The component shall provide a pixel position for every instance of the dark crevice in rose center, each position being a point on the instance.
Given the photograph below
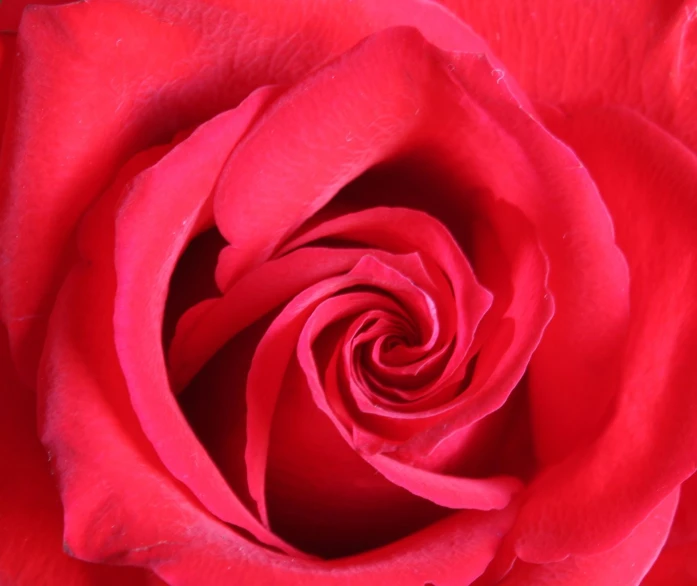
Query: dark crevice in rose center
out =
(193, 279)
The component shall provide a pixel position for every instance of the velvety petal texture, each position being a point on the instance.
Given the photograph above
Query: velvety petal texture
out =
(110, 366)
(676, 563)
(589, 274)
(634, 53)
(31, 542)
(419, 287)
(657, 371)
(626, 563)
(348, 292)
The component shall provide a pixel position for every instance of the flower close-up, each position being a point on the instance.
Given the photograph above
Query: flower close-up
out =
(348, 293)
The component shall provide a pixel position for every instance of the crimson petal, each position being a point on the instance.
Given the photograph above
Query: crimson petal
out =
(648, 445)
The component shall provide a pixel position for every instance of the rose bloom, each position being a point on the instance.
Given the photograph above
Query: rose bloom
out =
(348, 292)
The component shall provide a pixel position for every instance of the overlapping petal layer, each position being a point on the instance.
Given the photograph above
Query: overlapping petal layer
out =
(407, 347)
(647, 447)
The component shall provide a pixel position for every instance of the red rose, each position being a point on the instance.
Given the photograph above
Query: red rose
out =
(348, 292)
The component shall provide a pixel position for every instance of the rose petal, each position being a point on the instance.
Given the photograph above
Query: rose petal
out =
(321, 495)
(675, 566)
(7, 57)
(588, 278)
(405, 83)
(267, 374)
(31, 542)
(452, 552)
(403, 231)
(215, 407)
(444, 490)
(206, 327)
(501, 361)
(648, 446)
(635, 53)
(84, 395)
(192, 280)
(56, 163)
(684, 529)
(677, 563)
(276, 348)
(626, 563)
(356, 393)
(107, 520)
(161, 211)
(12, 10)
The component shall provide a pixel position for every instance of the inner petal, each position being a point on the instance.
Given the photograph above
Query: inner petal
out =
(321, 495)
(276, 349)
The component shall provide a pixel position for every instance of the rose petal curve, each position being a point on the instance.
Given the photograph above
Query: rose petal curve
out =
(648, 446)
(31, 542)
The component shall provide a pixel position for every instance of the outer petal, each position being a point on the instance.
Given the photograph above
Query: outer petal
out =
(677, 564)
(453, 552)
(635, 53)
(164, 207)
(648, 447)
(31, 526)
(684, 528)
(86, 415)
(624, 564)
